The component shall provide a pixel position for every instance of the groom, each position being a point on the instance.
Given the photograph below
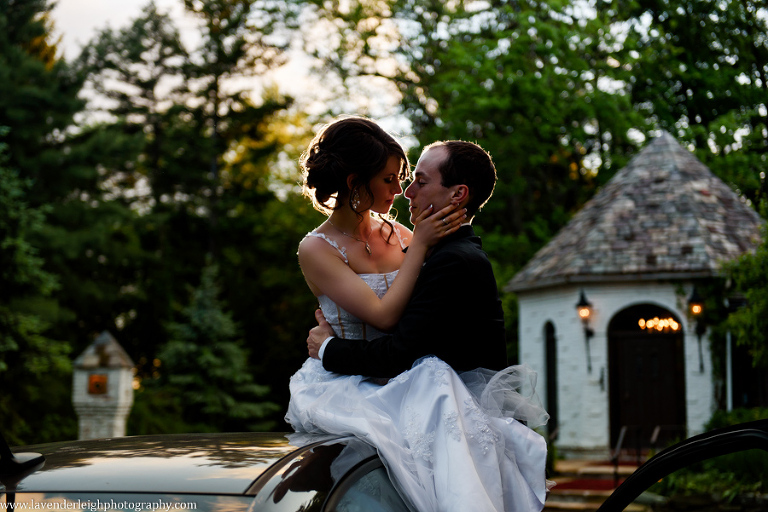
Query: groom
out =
(454, 312)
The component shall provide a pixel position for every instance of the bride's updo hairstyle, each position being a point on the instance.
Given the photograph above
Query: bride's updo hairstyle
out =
(349, 146)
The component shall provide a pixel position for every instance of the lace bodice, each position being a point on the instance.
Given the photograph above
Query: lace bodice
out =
(346, 325)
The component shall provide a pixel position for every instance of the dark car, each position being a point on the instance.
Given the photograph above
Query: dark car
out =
(268, 472)
(202, 472)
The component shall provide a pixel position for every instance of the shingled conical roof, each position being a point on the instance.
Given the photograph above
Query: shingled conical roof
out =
(664, 215)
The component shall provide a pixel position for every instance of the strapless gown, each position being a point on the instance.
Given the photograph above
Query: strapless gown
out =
(449, 442)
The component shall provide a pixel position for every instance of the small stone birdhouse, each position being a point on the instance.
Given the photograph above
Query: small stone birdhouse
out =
(102, 388)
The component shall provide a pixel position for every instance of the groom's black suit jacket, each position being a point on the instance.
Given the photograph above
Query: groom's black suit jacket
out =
(454, 313)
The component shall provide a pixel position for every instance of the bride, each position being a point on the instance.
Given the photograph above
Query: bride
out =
(450, 441)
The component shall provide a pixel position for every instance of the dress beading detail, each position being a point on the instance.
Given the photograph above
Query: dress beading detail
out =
(438, 370)
(420, 442)
(480, 428)
(451, 422)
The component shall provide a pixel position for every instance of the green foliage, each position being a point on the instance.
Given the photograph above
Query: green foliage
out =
(524, 79)
(204, 367)
(33, 80)
(202, 151)
(721, 419)
(266, 289)
(701, 75)
(749, 324)
(157, 410)
(21, 266)
(156, 176)
(29, 358)
(562, 95)
(34, 363)
(715, 479)
(177, 159)
(727, 477)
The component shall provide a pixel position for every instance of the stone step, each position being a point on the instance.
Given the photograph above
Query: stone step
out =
(553, 505)
(583, 495)
(583, 485)
(592, 469)
(584, 500)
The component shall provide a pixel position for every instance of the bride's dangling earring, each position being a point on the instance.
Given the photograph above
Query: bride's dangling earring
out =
(355, 200)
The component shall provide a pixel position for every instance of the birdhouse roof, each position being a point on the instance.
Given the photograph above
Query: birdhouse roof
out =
(664, 215)
(104, 352)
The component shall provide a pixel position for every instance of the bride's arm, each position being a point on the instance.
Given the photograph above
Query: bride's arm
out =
(325, 271)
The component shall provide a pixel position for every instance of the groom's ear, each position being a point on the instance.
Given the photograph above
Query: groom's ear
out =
(459, 194)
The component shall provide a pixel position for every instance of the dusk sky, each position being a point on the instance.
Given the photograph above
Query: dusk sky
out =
(77, 21)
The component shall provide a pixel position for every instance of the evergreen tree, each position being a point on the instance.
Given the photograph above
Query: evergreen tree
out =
(205, 366)
(240, 40)
(38, 102)
(145, 154)
(196, 165)
(87, 241)
(34, 81)
(32, 364)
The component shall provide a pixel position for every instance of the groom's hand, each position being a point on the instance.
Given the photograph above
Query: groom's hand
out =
(317, 335)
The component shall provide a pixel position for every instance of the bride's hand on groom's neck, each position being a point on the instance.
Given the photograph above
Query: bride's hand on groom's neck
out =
(431, 226)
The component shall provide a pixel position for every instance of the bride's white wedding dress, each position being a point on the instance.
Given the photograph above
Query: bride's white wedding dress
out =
(450, 442)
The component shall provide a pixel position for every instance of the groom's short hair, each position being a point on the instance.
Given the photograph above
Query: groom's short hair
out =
(467, 164)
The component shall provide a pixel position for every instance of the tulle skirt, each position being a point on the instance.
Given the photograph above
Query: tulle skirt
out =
(450, 442)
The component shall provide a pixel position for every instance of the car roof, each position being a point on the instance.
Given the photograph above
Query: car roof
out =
(224, 463)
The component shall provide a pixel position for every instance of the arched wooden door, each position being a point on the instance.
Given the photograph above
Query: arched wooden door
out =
(647, 376)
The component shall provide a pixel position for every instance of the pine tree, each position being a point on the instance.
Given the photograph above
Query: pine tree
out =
(205, 365)
(33, 80)
(32, 364)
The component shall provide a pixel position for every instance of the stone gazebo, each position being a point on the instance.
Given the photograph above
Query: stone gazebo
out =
(633, 253)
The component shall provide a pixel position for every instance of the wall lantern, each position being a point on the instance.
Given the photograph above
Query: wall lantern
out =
(696, 307)
(696, 303)
(584, 307)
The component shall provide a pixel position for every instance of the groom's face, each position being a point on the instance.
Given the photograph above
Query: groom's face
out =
(426, 188)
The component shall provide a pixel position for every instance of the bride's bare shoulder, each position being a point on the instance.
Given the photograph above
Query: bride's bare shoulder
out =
(318, 244)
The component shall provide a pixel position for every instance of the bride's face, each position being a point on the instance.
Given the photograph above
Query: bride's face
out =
(385, 186)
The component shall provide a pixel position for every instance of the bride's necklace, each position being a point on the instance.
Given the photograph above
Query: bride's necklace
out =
(367, 247)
